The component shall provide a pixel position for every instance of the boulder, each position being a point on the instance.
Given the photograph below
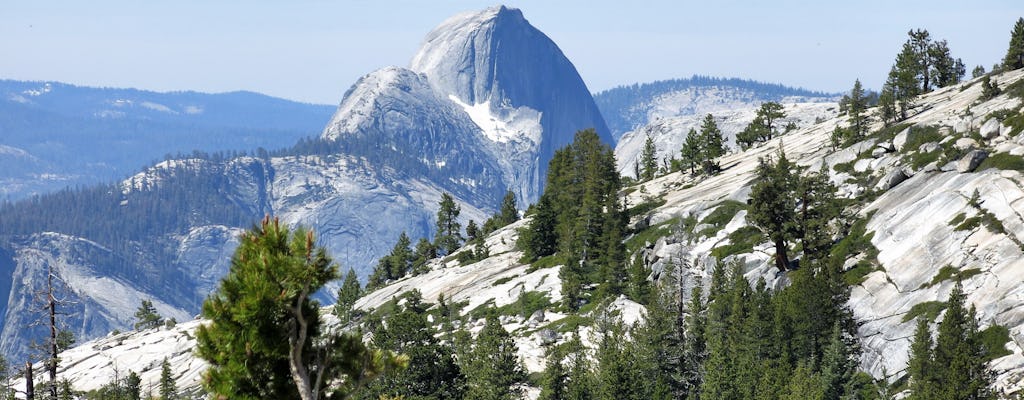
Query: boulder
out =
(965, 143)
(1004, 130)
(538, 316)
(929, 147)
(548, 336)
(878, 152)
(989, 129)
(971, 161)
(962, 126)
(891, 179)
(862, 165)
(901, 139)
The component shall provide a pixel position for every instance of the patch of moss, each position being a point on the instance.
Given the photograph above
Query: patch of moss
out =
(994, 338)
(741, 241)
(502, 281)
(928, 309)
(1003, 161)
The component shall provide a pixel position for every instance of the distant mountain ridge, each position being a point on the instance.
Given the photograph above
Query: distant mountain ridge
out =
(399, 139)
(56, 135)
(627, 107)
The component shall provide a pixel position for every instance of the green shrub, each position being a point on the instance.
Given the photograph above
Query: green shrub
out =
(741, 241)
(720, 216)
(502, 281)
(969, 224)
(995, 338)
(959, 218)
(650, 234)
(553, 260)
(859, 273)
(928, 309)
(644, 207)
(1002, 161)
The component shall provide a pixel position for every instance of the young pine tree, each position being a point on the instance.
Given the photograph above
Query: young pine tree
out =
(168, 385)
(493, 368)
(1014, 58)
(690, 154)
(146, 317)
(348, 293)
(712, 144)
(856, 109)
(773, 204)
(264, 338)
(648, 160)
(449, 236)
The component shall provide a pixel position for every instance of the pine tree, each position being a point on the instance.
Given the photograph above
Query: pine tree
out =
(448, 237)
(617, 376)
(432, 371)
(554, 380)
(493, 368)
(1014, 58)
(168, 386)
(425, 251)
(946, 70)
(772, 205)
(146, 317)
(690, 154)
(919, 368)
(133, 386)
(770, 112)
(348, 293)
(264, 338)
(978, 71)
(887, 98)
(473, 232)
(712, 144)
(805, 385)
(539, 238)
(580, 381)
(904, 76)
(856, 109)
(964, 373)
(919, 44)
(989, 89)
(648, 160)
(509, 212)
(696, 343)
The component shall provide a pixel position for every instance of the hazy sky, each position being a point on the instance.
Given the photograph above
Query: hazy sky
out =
(314, 50)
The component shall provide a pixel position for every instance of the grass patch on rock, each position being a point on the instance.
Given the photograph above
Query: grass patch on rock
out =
(928, 309)
(741, 241)
(1003, 161)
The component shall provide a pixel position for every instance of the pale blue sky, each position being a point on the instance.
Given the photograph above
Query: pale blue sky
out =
(314, 50)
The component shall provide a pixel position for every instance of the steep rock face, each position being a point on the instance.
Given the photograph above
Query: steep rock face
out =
(669, 131)
(394, 117)
(495, 58)
(96, 298)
